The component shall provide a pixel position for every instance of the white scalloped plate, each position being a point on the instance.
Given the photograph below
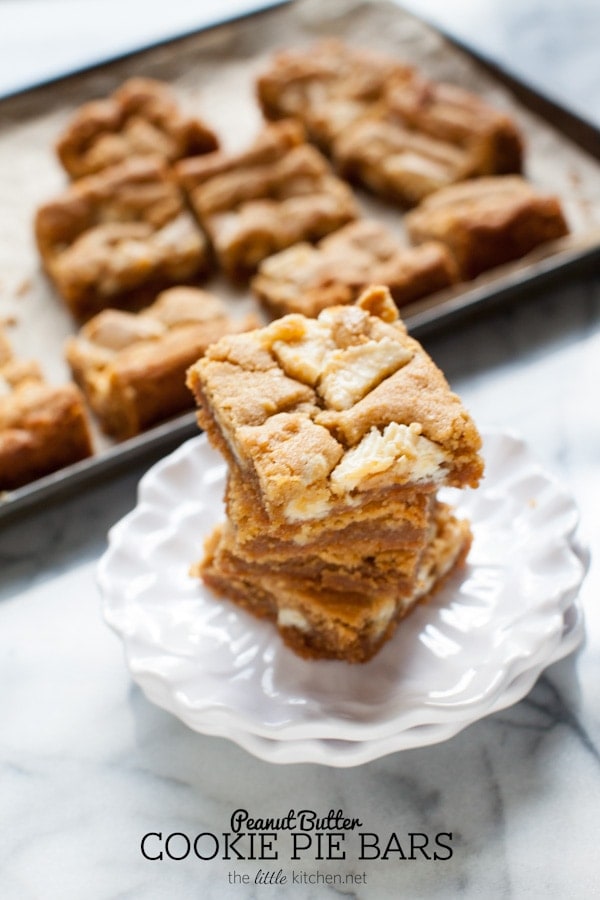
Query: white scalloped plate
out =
(476, 648)
(352, 753)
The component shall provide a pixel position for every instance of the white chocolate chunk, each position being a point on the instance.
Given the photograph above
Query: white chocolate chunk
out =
(399, 447)
(291, 618)
(353, 318)
(315, 505)
(343, 375)
(351, 373)
(416, 164)
(305, 359)
(116, 330)
(440, 558)
(382, 618)
(287, 262)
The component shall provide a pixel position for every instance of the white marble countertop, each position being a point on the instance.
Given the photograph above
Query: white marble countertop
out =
(88, 766)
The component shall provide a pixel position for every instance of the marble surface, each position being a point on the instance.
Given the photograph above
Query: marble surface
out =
(88, 766)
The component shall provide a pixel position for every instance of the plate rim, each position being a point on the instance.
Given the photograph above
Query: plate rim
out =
(226, 722)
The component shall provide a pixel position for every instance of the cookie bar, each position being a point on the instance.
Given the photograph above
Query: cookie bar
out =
(365, 574)
(337, 432)
(322, 414)
(132, 367)
(119, 237)
(351, 549)
(399, 164)
(488, 221)
(141, 118)
(326, 86)
(42, 427)
(277, 193)
(307, 279)
(450, 113)
(384, 124)
(316, 620)
(348, 535)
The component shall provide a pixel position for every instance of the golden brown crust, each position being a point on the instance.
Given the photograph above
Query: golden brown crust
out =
(452, 114)
(344, 536)
(385, 125)
(42, 428)
(119, 237)
(278, 192)
(326, 86)
(141, 118)
(333, 530)
(488, 221)
(132, 366)
(329, 412)
(318, 618)
(270, 145)
(397, 163)
(306, 279)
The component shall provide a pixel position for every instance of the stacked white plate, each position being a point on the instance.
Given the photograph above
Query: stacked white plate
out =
(477, 647)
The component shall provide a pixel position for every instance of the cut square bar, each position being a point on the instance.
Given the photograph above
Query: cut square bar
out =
(399, 164)
(307, 279)
(119, 237)
(452, 114)
(488, 221)
(329, 413)
(131, 366)
(141, 118)
(326, 86)
(278, 192)
(42, 427)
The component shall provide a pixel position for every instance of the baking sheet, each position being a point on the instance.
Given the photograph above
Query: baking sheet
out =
(213, 73)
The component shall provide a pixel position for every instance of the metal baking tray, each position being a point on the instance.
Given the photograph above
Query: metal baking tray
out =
(220, 59)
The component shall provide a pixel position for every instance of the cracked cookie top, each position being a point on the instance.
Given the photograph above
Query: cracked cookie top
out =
(331, 409)
(141, 118)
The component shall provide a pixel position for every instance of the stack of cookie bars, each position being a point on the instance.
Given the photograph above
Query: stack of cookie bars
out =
(338, 432)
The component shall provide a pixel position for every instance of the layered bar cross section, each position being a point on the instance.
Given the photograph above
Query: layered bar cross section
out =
(337, 432)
